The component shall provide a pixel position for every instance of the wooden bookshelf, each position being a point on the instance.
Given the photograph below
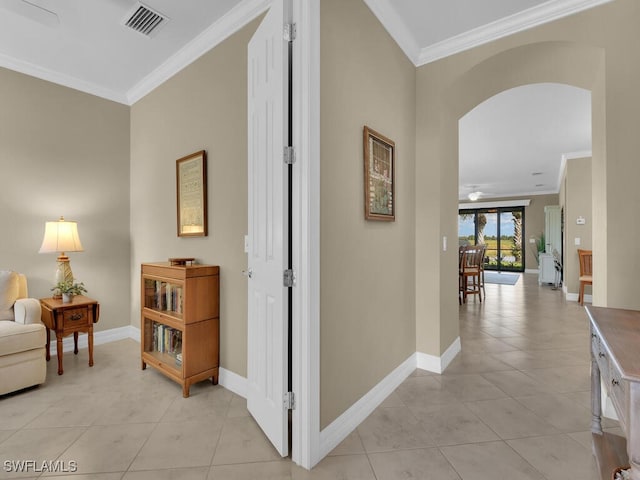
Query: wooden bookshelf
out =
(180, 325)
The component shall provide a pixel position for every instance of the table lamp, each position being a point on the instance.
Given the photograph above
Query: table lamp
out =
(61, 236)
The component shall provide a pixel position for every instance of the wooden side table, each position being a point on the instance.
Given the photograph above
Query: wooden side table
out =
(77, 316)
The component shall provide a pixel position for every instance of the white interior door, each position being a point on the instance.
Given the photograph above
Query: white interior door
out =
(267, 296)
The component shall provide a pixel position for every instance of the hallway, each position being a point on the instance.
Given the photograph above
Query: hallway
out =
(513, 405)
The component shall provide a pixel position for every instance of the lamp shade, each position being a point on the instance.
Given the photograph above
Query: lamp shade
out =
(61, 236)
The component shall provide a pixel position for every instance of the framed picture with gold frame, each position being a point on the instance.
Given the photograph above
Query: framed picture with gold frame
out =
(191, 179)
(379, 176)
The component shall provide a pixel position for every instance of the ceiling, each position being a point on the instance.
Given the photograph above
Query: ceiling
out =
(85, 45)
(516, 142)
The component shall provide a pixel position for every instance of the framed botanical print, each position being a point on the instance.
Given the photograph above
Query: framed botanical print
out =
(379, 176)
(191, 178)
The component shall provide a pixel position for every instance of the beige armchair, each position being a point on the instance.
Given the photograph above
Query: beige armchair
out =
(22, 335)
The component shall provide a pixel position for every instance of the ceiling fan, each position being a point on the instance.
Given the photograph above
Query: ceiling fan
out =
(473, 192)
(473, 196)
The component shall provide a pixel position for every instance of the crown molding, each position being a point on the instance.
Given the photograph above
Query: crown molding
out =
(217, 32)
(574, 155)
(394, 25)
(227, 25)
(532, 17)
(570, 156)
(524, 202)
(506, 195)
(52, 76)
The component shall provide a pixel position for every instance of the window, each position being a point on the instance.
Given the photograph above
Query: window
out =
(501, 230)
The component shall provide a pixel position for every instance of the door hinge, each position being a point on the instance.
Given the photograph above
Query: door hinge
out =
(287, 278)
(290, 31)
(289, 155)
(289, 401)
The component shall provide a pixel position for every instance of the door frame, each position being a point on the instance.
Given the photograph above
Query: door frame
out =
(305, 446)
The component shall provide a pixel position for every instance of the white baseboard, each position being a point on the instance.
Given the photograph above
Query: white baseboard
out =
(346, 423)
(135, 334)
(229, 380)
(232, 381)
(99, 338)
(341, 427)
(532, 270)
(435, 364)
(573, 297)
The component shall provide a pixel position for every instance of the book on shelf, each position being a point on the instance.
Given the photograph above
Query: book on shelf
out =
(178, 300)
(166, 339)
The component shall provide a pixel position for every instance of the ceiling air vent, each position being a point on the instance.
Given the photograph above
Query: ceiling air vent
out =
(144, 20)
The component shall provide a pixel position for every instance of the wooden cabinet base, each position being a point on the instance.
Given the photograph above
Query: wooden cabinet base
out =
(176, 376)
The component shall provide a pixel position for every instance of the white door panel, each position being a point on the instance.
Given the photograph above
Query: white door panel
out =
(267, 297)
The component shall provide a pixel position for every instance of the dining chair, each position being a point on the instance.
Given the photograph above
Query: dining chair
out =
(461, 250)
(470, 272)
(586, 271)
(482, 260)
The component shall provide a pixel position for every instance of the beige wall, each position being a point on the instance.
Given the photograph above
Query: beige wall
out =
(591, 50)
(533, 221)
(577, 200)
(63, 152)
(384, 293)
(367, 298)
(204, 107)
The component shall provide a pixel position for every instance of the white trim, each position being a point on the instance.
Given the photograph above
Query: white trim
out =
(215, 34)
(573, 297)
(305, 449)
(532, 17)
(61, 79)
(228, 379)
(435, 364)
(570, 156)
(504, 203)
(532, 270)
(519, 194)
(247, 10)
(574, 155)
(232, 381)
(134, 333)
(393, 23)
(99, 338)
(342, 426)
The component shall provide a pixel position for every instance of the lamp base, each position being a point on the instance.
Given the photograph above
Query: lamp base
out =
(63, 274)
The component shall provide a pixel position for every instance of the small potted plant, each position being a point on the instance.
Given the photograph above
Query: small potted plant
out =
(68, 289)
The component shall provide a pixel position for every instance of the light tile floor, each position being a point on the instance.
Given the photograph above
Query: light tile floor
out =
(513, 405)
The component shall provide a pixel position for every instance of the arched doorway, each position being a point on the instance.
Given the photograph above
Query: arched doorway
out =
(446, 97)
(512, 153)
